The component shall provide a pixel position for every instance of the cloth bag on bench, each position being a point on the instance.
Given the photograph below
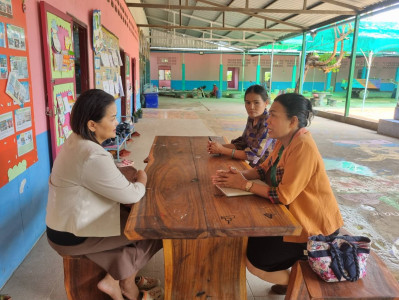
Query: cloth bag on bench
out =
(338, 258)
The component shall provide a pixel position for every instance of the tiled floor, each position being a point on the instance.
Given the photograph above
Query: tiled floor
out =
(40, 276)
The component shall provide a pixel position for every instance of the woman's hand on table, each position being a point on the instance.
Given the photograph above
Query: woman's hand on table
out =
(214, 147)
(231, 178)
(141, 177)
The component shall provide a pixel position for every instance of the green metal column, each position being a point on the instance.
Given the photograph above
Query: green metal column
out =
(271, 69)
(293, 76)
(328, 84)
(302, 67)
(183, 74)
(258, 71)
(221, 74)
(243, 72)
(352, 66)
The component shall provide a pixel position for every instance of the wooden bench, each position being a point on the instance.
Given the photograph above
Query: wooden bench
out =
(379, 283)
(81, 276)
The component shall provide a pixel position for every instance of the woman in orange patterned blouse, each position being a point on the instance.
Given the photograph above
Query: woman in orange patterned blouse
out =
(296, 178)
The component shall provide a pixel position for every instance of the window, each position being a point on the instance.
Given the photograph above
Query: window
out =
(164, 75)
(229, 75)
(161, 74)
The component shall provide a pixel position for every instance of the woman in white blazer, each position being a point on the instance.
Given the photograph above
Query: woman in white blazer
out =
(86, 190)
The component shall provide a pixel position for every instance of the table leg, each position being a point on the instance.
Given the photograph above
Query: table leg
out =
(202, 268)
(322, 97)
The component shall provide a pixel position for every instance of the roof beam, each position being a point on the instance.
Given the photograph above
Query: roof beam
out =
(245, 10)
(207, 21)
(338, 3)
(218, 37)
(258, 16)
(202, 31)
(219, 28)
(213, 39)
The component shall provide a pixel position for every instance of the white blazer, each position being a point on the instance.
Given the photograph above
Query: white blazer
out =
(86, 189)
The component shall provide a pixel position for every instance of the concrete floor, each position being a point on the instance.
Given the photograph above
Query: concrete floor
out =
(361, 164)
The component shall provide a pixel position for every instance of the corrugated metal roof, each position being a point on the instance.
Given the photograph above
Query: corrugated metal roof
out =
(242, 24)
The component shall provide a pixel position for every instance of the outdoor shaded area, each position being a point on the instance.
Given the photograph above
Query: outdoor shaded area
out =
(376, 66)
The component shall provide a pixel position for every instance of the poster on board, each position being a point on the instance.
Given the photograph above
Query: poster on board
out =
(6, 125)
(16, 37)
(23, 118)
(6, 8)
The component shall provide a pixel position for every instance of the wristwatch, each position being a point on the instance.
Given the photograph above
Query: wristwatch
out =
(248, 185)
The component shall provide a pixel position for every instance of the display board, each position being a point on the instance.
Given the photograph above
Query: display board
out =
(107, 59)
(17, 133)
(59, 59)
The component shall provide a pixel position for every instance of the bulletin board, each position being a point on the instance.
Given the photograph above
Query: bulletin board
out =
(107, 59)
(61, 54)
(18, 149)
(64, 95)
(59, 59)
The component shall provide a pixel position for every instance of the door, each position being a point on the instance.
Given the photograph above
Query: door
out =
(232, 78)
(164, 77)
(58, 50)
(125, 104)
(81, 58)
(265, 80)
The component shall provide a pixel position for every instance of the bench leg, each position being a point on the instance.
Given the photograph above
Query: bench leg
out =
(296, 285)
(80, 279)
(202, 268)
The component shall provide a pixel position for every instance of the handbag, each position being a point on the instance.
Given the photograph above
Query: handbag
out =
(338, 258)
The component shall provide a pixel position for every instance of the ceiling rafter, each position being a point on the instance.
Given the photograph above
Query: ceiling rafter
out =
(244, 10)
(220, 38)
(211, 22)
(248, 42)
(249, 29)
(258, 16)
(338, 3)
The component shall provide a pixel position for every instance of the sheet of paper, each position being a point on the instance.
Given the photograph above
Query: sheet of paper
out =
(121, 92)
(111, 61)
(230, 192)
(104, 59)
(106, 86)
(111, 87)
(120, 58)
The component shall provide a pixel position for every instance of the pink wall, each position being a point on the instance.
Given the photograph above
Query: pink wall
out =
(202, 67)
(173, 60)
(81, 10)
(206, 66)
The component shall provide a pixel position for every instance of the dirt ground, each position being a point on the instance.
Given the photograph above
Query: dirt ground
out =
(362, 166)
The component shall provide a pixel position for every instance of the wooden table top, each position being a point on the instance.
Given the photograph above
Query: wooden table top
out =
(182, 203)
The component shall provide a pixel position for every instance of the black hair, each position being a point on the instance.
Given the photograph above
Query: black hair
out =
(90, 105)
(297, 105)
(257, 89)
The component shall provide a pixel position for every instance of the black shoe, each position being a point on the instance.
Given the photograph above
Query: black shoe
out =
(279, 289)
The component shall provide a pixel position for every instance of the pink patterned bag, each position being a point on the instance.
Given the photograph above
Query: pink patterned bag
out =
(338, 258)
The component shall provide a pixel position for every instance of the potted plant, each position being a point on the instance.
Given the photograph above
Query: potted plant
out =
(135, 117)
(139, 113)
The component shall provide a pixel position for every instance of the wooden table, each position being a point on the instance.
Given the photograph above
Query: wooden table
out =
(204, 232)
